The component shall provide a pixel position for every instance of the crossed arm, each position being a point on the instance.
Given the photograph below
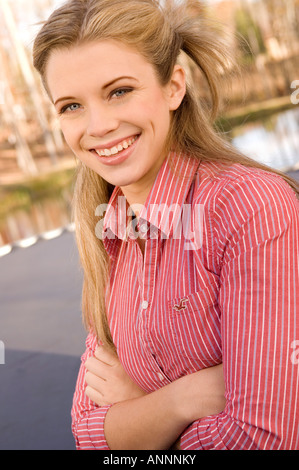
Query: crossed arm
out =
(138, 420)
(259, 325)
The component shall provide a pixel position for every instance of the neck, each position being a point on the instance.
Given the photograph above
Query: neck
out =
(136, 193)
(136, 198)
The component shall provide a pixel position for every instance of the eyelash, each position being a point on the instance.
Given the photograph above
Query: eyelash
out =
(65, 108)
(125, 91)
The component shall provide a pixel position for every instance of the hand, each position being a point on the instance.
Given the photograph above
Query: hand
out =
(107, 381)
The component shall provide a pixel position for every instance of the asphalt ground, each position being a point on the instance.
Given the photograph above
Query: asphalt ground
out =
(42, 339)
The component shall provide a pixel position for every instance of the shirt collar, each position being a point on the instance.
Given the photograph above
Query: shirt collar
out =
(163, 205)
(165, 201)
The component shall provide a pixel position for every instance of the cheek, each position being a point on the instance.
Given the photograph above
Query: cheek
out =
(153, 105)
(70, 134)
(155, 115)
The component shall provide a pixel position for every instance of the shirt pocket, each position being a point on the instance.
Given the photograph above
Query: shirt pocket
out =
(195, 327)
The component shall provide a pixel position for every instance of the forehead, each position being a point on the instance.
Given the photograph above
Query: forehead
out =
(99, 61)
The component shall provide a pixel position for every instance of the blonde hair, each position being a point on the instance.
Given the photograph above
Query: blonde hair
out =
(160, 34)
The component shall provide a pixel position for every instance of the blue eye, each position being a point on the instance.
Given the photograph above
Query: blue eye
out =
(121, 92)
(73, 107)
(70, 107)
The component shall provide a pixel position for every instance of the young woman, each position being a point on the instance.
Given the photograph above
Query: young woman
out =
(190, 291)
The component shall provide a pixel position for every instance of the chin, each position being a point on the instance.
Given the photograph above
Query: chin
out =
(123, 180)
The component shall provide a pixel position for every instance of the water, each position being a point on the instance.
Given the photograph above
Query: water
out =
(273, 141)
(43, 220)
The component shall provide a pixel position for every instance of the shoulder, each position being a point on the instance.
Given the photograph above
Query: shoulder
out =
(220, 185)
(238, 201)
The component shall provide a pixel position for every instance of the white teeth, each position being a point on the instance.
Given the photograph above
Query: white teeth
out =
(114, 150)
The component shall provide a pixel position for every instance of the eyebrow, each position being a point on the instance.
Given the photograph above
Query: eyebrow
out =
(107, 85)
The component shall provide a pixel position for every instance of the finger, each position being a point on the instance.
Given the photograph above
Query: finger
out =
(106, 355)
(97, 367)
(94, 381)
(91, 363)
(95, 396)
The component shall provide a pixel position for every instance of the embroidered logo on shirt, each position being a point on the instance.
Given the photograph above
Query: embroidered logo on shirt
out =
(182, 305)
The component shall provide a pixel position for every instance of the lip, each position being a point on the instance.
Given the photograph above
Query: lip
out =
(114, 143)
(119, 157)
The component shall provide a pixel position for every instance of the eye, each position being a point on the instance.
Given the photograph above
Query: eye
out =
(120, 92)
(70, 108)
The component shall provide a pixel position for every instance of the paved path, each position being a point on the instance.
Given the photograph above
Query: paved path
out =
(41, 328)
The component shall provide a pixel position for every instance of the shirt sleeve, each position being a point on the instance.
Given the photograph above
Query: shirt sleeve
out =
(255, 244)
(87, 417)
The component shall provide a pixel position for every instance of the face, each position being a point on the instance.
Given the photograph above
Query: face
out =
(113, 112)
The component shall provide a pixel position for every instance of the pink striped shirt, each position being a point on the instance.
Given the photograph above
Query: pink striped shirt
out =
(228, 295)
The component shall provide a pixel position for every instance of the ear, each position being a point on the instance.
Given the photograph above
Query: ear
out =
(176, 87)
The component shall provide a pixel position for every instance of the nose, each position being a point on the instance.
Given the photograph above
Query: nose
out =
(101, 121)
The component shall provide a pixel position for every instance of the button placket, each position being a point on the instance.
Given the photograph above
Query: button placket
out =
(146, 293)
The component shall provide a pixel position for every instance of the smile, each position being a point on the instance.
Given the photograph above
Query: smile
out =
(107, 152)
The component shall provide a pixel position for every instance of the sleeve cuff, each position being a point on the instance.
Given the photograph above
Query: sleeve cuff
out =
(89, 432)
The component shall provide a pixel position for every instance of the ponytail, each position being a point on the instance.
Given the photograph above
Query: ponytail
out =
(199, 38)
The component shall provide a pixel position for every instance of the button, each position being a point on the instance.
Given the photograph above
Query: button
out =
(144, 304)
(143, 228)
(160, 376)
